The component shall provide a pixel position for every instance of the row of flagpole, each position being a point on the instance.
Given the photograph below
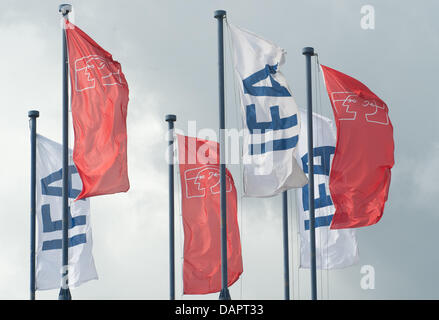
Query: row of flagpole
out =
(372, 130)
(64, 293)
(224, 294)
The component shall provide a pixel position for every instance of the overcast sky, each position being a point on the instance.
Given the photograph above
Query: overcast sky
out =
(168, 53)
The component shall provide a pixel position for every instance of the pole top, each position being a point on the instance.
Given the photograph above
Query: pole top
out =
(33, 114)
(220, 14)
(170, 118)
(65, 8)
(308, 51)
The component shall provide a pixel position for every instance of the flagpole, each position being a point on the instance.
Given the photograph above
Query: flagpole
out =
(171, 118)
(285, 238)
(224, 294)
(33, 115)
(309, 52)
(64, 293)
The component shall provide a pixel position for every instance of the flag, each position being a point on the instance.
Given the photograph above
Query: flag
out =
(360, 173)
(335, 249)
(49, 212)
(99, 110)
(271, 119)
(200, 190)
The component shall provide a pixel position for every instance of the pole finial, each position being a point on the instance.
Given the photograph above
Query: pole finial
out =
(33, 114)
(170, 117)
(308, 51)
(65, 8)
(220, 14)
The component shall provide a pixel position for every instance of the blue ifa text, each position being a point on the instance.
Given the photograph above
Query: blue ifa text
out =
(324, 200)
(276, 123)
(48, 224)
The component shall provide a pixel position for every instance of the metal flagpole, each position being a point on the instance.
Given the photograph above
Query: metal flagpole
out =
(64, 293)
(170, 118)
(33, 115)
(224, 294)
(285, 238)
(308, 52)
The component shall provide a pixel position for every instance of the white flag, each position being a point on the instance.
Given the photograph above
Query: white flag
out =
(271, 119)
(334, 248)
(49, 215)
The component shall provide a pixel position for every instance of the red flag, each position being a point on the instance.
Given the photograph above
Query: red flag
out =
(200, 189)
(99, 109)
(360, 172)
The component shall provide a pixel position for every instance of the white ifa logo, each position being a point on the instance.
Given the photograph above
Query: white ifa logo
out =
(90, 68)
(350, 106)
(203, 180)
